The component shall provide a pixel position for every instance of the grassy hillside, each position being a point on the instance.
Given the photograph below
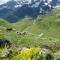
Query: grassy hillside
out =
(48, 25)
(44, 30)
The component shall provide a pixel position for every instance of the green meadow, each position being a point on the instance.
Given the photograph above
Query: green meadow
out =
(42, 32)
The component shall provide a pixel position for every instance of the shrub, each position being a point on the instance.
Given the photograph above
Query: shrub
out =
(28, 54)
(1, 35)
(49, 57)
(57, 55)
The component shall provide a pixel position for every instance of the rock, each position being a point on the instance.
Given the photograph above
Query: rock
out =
(7, 54)
(43, 50)
(0, 30)
(14, 29)
(40, 35)
(21, 49)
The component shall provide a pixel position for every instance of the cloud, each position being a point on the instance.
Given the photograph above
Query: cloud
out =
(3, 1)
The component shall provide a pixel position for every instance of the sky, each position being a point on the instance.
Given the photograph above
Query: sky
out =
(4, 1)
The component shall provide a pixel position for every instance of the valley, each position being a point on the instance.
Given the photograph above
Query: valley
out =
(31, 39)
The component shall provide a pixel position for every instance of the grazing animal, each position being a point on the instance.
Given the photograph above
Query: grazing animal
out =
(9, 29)
(21, 33)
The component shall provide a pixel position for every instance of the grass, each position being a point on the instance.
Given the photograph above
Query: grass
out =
(48, 25)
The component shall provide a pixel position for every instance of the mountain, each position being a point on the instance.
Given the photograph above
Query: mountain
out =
(13, 10)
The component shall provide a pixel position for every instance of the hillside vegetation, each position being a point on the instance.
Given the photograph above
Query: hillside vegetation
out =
(42, 32)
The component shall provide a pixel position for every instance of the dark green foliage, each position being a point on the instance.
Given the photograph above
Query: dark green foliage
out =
(49, 57)
(40, 57)
(5, 43)
(58, 58)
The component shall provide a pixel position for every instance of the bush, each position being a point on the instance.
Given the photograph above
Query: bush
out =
(49, 57)
(27, 54)
(57, 55)
(1, 35)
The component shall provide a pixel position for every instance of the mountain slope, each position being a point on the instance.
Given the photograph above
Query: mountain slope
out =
(14, 10)
(44, 30)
